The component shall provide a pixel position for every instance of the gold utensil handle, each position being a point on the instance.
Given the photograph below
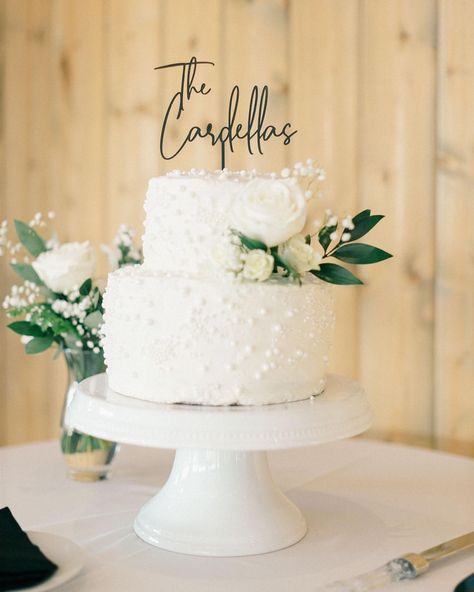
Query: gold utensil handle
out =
(406, 567)
(449, 547)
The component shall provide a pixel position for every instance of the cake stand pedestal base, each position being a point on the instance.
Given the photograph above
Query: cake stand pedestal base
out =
(220, 502)
(220, 498)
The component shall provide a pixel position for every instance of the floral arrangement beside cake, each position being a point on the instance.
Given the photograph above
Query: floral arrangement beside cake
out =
(58, 304)
(233, 303)
(58, 299)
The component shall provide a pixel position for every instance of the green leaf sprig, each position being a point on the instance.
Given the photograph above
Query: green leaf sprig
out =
(30, 239)
(46, 326)
(348, 251)
(345, 250)
(35, 245)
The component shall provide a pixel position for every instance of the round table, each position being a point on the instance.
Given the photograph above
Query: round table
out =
(365, 502)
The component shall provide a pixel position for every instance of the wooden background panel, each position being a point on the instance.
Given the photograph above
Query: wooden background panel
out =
(132, 48)
(53, 108)
(192, 29)
(258, 55)
(78, 123)
(323, 106)
(3, 215)
(396, 167)
(27, 406)
(376, 89)
(454, 343)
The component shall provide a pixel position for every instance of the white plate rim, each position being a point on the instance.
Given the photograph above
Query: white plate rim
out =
(48, 542)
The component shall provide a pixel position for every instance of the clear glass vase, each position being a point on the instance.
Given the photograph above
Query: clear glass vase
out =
(88, 458)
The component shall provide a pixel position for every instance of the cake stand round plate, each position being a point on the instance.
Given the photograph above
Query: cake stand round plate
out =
(220, 498)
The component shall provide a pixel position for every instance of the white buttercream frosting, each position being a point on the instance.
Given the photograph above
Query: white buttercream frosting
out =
(176, 330)
(185, 217)
(218, 342)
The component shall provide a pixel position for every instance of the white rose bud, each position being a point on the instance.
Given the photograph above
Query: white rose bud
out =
(66, 266)
(270, 210)
(299, 255)
(258, 266)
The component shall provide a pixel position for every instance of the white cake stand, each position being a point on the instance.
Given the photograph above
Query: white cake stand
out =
(220, 498)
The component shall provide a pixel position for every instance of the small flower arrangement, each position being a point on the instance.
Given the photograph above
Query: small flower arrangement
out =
(268, 237)
(59, 302)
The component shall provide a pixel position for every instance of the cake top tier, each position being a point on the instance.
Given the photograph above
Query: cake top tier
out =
(189, 213)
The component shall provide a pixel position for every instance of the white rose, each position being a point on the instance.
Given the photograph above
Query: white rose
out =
(66, 266)
(258, 265)
(270, 210)
(299, 255)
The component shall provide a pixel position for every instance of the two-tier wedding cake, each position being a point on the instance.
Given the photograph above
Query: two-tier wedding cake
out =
(223, 311)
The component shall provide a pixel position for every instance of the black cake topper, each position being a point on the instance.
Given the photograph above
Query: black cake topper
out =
(255, 131)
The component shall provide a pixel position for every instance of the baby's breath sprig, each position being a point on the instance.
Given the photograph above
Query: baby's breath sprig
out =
(124, 250)
(309, 175)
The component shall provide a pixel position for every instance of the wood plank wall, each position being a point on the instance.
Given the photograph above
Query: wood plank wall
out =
(382, 93)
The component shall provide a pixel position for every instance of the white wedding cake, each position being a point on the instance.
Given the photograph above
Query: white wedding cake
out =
(222, 311)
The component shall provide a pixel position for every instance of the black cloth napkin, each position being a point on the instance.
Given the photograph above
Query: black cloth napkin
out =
(22, 564)
(467, 585)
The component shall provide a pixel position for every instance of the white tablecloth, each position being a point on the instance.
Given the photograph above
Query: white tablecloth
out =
(365, 503)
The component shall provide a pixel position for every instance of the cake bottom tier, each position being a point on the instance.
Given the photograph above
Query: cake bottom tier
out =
(209, 342)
